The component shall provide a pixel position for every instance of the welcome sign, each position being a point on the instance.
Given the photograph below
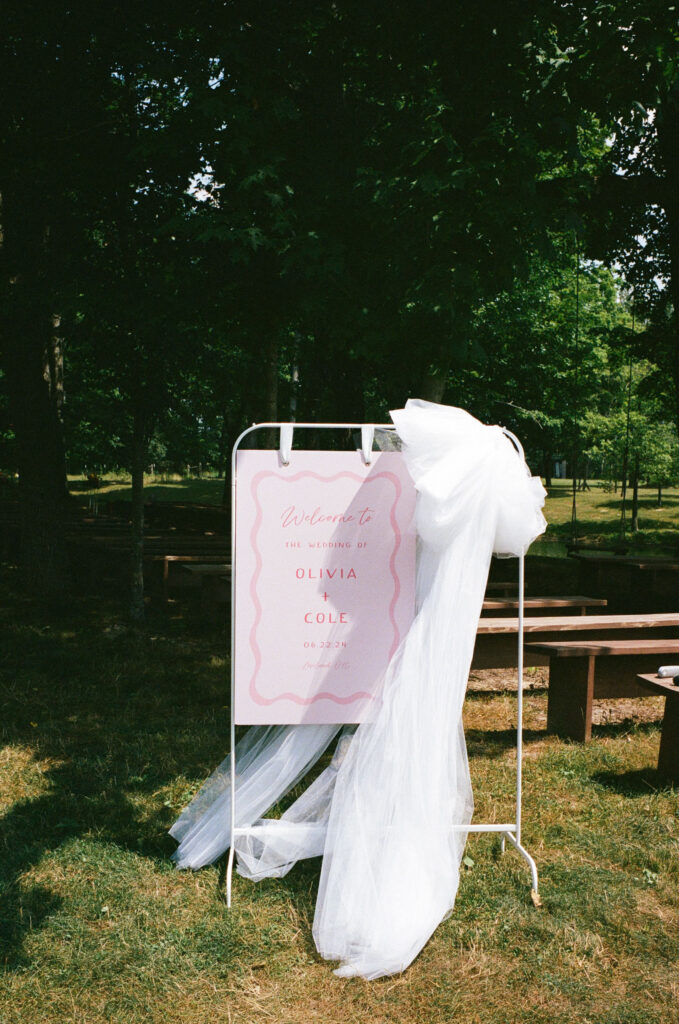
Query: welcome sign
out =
(324, 582)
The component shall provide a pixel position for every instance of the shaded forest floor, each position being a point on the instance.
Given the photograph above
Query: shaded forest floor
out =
(597, 511)
(105, 733)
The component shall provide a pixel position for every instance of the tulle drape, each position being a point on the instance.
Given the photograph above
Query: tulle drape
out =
(270, 760)
(389, 813)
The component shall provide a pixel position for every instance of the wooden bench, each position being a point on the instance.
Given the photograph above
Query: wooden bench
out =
(580, 671)
(214, 580)
(104, 553)
(199, 567)
(668, 758)
(214, 562)
(629, 578)
(538, 605)
(496, 641)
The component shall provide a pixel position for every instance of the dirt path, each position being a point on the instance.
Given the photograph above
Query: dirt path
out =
(503, 680)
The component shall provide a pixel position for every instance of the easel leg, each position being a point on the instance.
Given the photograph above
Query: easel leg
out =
(526, 856)
(229, 875)
(232, 810)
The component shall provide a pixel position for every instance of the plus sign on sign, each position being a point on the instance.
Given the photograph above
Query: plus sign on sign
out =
(324, 582)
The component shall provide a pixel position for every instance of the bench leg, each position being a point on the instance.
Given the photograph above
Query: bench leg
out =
(668, 759)
(569, 699)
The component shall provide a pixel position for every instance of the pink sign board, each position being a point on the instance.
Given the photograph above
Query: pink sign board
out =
(324, 582)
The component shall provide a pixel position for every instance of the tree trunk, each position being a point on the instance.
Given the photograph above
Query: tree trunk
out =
(41, 465)
(547, 465)
(668, 139)
(224, 465)
(623, 491)
(347, 398)
(270, 382)
(294, 384)
(584, 486)
(223, 455)
(31, 359)
(433, 386)
(54, 371)
(139, 450)
(635, 496)
(659, 505)
(574, 502)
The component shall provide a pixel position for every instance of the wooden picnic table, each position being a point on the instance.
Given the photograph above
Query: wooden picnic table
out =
(496, 641)
(581, 671)
(205, 570)
(212, 578)
(668, 756)
(638, 561)
(166, 563)
(628, 576)
(538, 605)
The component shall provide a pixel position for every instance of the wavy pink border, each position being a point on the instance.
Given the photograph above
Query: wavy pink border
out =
(257, 697)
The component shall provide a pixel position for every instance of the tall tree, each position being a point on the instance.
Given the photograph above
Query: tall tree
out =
(621, 63)
(93, 120)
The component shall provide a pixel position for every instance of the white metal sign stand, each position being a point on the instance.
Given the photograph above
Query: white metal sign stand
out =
(508, 831)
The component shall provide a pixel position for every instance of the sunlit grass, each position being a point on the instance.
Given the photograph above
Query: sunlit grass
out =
(206, 490)
(598, 518)
(106, 732)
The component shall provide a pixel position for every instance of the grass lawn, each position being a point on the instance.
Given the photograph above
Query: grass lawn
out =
(598, 511)
(598, 518)
(172, 487)
(106, 733)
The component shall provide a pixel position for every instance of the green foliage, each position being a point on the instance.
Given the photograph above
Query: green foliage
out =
(635, 429)
(240, 222)
(550, 354)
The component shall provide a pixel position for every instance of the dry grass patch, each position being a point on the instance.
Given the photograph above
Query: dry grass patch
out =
(22, 776)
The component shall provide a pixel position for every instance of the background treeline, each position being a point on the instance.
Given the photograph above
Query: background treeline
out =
(226, 212)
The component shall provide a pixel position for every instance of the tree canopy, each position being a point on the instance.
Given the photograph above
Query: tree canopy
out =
(222, 214)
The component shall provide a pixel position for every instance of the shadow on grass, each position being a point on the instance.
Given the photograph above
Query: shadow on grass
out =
(503, 691)
(612, 730)
(117, 716)
(559, 493)
(592, 528)
(640, 782)
(495, 742)
(647, 503)
(37, 827)
(656, 539)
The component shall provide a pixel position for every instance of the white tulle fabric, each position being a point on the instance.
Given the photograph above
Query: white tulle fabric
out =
(270, 760)
(388, 814)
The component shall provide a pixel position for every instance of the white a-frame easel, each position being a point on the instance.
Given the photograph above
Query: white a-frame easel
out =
(508, 831)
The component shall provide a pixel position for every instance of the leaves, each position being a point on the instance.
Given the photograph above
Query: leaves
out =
(392, 202)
